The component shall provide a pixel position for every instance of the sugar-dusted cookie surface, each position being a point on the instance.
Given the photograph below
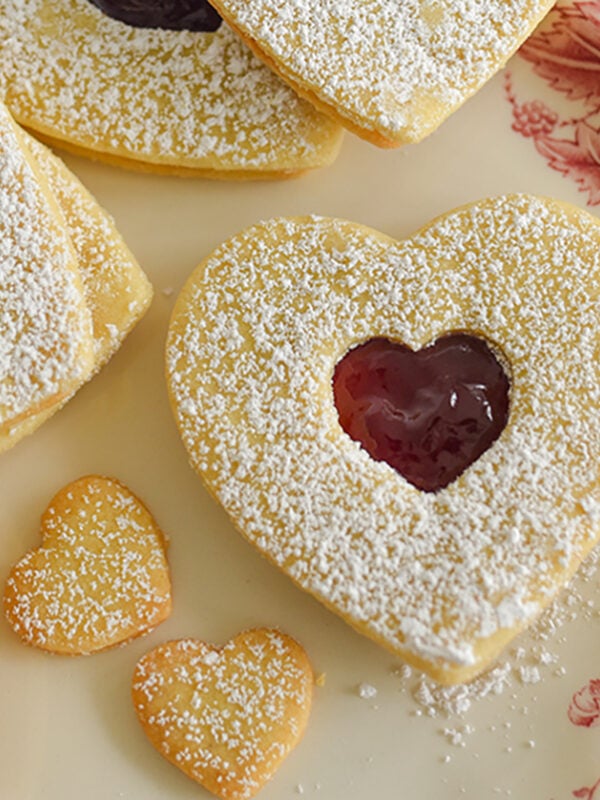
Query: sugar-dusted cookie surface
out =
(390, 70)
(100, 577)
(228, 716)
(116, 291)
(45, 326)
(444, 578)
(163, 100)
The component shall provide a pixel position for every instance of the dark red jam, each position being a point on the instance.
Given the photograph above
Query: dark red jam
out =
(428, 414)
(177, 15)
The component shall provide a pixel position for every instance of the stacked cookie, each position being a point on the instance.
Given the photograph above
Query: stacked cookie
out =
(170, 87)
(391, 71)
(149, 97)
(70, 290)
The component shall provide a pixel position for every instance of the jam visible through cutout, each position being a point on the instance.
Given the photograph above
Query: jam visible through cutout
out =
(177, 15)
(428, 414)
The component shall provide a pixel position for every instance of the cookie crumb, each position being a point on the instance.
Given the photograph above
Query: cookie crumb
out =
(366, 691)
(529, 674)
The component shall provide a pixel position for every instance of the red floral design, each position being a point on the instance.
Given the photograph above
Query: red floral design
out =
(588, 793)
(565, 53)
(585, 705)
(577, 158)
(534, 119)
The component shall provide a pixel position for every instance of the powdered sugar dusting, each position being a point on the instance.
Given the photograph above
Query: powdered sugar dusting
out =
(394, 66)
(100, 578)
(45, 327)
(253, 344)
(227, 717)
(175, 98)
(116, 290)
(533, 653)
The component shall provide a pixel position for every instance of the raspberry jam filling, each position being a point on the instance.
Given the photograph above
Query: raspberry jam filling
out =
(428, 414)
(177, 15)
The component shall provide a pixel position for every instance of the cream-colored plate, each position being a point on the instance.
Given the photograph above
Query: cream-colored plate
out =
(68, 728)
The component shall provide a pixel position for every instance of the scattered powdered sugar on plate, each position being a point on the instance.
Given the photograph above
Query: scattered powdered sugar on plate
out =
(534, 655)
(396, 66)
(367, 691)
(179, 98)
(253, 343)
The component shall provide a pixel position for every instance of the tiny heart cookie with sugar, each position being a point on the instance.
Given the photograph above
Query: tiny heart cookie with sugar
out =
(100, 577)
(227, 717)
(446, 577)
(389, 70)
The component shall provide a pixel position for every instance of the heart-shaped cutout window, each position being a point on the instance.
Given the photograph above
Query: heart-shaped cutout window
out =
(187, 15)
(429, 414)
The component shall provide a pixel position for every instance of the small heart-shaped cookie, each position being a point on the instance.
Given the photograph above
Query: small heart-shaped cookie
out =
(100, 577)
(227, 717)
(182, 102)
(389, 70)
(443, 578)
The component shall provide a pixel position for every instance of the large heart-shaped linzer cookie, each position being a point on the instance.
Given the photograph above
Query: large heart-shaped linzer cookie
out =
(100, 577)
(443, 578)
(227, 717)
(390, 70)
(176, 101)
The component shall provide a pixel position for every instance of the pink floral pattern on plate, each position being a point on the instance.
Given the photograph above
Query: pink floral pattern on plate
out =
(588, 793)
(585, 705)
(565, 53)
(584, 711)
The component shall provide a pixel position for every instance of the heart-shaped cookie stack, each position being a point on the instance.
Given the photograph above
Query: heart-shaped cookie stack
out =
(184, 102)
(389, 70)
(227, 717)
(45, 329)
(70, 290)
(443, 578)
(100, 576)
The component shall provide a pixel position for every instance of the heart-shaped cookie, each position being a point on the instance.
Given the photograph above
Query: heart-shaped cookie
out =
(183, 102)
(116, 291)
(227, 717)
(45, 326)
(100, 577)
(444, 578)
(389, 70)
